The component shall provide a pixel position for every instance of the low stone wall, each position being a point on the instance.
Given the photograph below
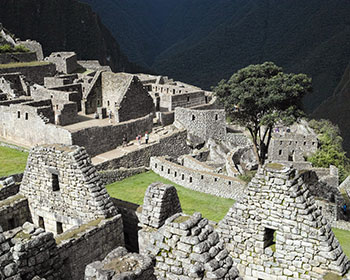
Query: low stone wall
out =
(341, 225)
(230, 165)
(110, 137)
(14, 212)
(173, 145)
(166, 118)
(17, 57)
(202, 181)
(34, 74)
(237, 139)
(130, 223)
(111, 176)
(121, 265)
(89, 245)
(190, 162)
(8, 188)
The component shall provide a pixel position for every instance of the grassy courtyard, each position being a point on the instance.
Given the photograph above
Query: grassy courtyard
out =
(343, 237)
(12, 161)
(133, 189)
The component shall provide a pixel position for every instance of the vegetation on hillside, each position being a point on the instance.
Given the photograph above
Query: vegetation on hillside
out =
(133, 190)
(7, 48)
(331, 150)
(12, 161)
(260, 96)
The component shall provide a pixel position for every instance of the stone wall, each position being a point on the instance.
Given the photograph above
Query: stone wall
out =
(166, 118)
(275, 230)
(8, 187)
(188, 247)
(21, 129)
(237, 139)
(88, 244)
(63, 188)
(66, 62)
(100, 139)
(17, 57)
(34, 74)
(120, 265)
(173, 144)
(168, 102)
(291, 147)
(202, 181)
(111, 176)
(130, 212)
(125, 96)
(8, 267)
(192, 163)
(203, 123)
(14, 212)
(33, 46)
(35, 252)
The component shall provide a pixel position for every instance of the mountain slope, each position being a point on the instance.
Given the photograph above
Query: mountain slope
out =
(64, 25)
(203, 41)
(337, 108)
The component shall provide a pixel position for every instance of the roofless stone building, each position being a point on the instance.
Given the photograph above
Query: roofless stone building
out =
(275, 231)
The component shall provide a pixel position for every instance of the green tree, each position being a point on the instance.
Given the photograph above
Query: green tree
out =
(331, 150)
(260, 96)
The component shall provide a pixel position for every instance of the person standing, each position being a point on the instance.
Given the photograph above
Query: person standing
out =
(146, 137)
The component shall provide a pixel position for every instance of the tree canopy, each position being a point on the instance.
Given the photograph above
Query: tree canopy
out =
(260, 96)
(331, 150)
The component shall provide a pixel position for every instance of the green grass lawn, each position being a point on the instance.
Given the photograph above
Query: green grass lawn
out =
(12, 161)
(24, 64)
(133, 189)
(343, 237)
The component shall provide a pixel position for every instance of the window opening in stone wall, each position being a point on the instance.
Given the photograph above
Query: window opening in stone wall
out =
(190, 179)
(280, 152)
(193, 117)
(304, 143)
(107, 102)
(168, 171)
(281, 142)
(18, 114)
(41, 222)
(216, 117)
(215, 179)
(155, 165)
(175, 174)
(162, 168)
(26, 116)
(291, 156)
(11, 223)
(183, 177)
(202, 177)
(188, 99)
(59, 227)
(229, 183)
(269, 238)
(332, 198)
(55, 182)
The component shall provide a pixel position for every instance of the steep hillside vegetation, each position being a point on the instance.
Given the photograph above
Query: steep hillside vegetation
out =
(64, 25)
(337, 108)
(203, 41)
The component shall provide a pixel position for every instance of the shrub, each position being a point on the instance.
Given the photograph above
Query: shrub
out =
(7, 48)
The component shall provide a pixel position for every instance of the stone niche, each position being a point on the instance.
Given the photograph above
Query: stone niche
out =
(275, 231)
(63, 188)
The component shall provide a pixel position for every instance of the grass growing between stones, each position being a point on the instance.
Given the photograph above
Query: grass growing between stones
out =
(12, 161)
(24, 64)
(343, 237)
(133, 190)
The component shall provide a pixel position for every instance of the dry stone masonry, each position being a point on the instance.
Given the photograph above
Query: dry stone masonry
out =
(63, 188)
(275, 231)
(120, 265)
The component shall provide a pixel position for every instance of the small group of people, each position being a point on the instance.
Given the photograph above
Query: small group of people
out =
(138, 139)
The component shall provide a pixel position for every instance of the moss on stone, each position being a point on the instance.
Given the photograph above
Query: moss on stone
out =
(24, 64)
(332, 276)
(22, 235)
(275, 166)
(74, 233)
(181, 219)
(10, 200)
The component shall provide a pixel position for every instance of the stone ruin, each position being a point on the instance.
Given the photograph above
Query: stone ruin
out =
(119, 265)
(275, 231)
(184, 247)
(63, 188)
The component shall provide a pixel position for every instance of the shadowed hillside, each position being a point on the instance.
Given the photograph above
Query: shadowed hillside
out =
(64, 25)
(203, 41)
